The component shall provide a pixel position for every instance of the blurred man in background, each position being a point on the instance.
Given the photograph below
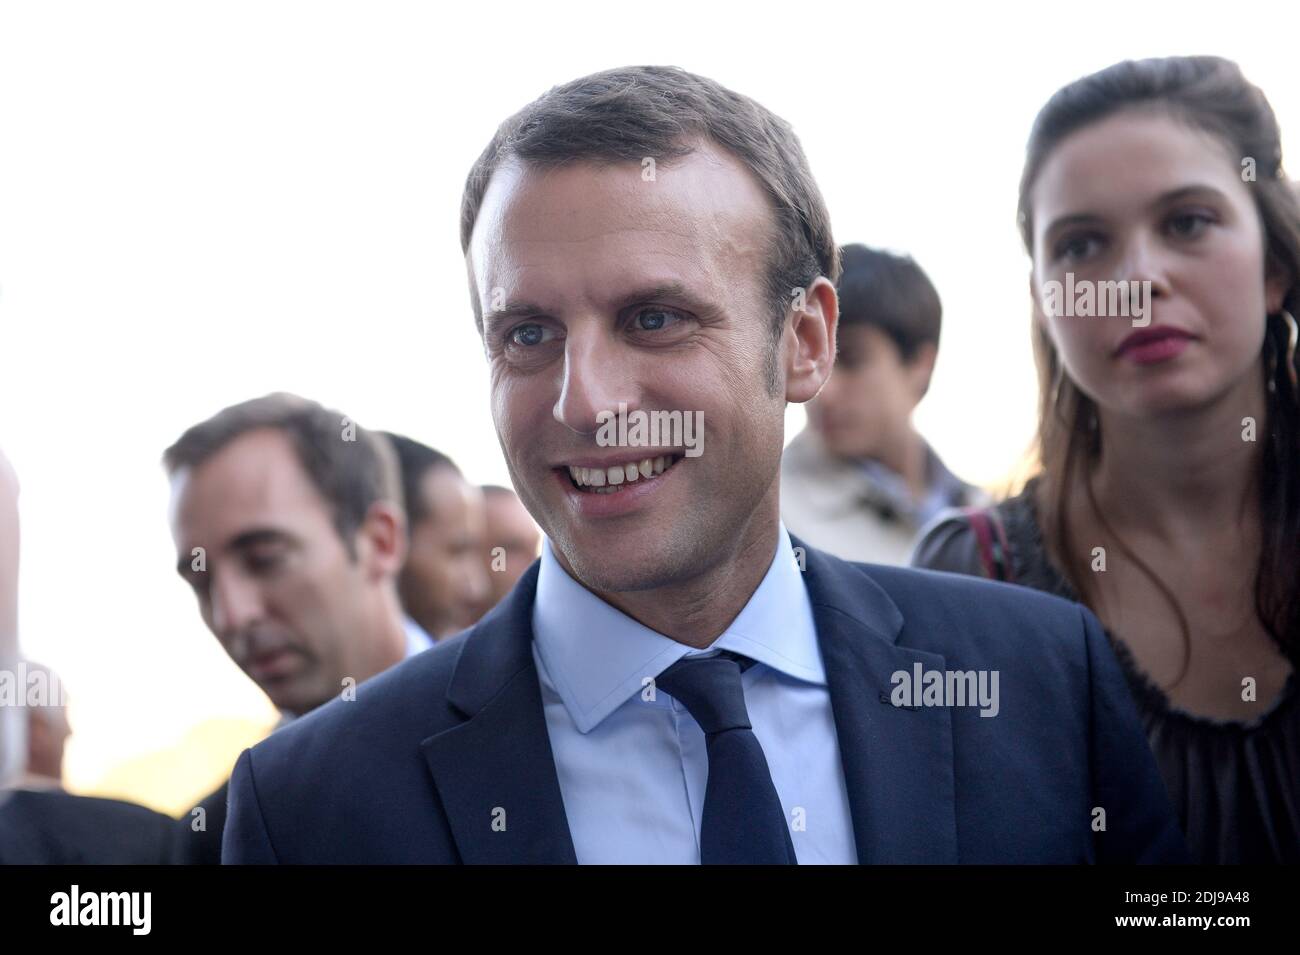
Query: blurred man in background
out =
(39, 823)
(13, 732)
(288, 524)
(47, 731)
(860, 481)
(513, 540)
(444, 583)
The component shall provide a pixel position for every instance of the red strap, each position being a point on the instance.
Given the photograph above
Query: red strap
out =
(992, 541)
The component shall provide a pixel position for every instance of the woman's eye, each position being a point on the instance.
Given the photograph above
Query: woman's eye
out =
(653, 319)
(1188, 225)
(1076, 248)
(528, 335)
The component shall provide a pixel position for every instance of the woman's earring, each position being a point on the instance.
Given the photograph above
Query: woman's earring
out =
(1293, 333)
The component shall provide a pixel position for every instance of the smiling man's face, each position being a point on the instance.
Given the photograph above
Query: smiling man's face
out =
(598, 287)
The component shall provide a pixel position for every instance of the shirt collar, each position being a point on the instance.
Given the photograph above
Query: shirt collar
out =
(417, 638)
(596, 656)
(943, 488)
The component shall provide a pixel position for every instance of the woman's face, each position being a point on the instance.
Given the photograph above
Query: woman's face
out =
(1136, 198)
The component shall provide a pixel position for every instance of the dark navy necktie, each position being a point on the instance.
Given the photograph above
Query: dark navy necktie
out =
(743, 822)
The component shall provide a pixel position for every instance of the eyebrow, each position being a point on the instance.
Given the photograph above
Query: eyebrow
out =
(659, 291)
(248, 539)
(1164, 199)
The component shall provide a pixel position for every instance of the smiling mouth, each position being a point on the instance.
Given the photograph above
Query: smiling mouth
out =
(617, 477)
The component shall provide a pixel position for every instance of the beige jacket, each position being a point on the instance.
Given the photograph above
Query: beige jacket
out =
(837, 506)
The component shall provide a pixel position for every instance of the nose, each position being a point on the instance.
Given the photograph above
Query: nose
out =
(598, 376)
(236, 606)
(1143, 261)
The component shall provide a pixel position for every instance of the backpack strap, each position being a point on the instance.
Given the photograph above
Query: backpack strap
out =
(991, 538)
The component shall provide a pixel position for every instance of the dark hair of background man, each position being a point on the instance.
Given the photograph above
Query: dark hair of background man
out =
(415, 461)
(350, 466)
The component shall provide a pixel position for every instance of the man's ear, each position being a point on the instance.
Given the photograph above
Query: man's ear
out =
(381, 540)
(809, 341)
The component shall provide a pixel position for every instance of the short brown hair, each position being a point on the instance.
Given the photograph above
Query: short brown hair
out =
(634, 112)
(350, 466)
(892, 293)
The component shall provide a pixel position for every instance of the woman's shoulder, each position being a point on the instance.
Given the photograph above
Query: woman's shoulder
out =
(948, 543)
(980, 541)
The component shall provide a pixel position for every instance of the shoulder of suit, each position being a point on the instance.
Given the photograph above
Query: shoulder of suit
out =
(948, 608)
(411, 694)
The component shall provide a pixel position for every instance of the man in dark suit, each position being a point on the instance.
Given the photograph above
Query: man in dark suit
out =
(677, 679)
(289, 527)
(53, 827)
(39, 823)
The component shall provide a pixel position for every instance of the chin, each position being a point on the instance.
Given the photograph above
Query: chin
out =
(298, 700)
(627, 569)
(1173, 397)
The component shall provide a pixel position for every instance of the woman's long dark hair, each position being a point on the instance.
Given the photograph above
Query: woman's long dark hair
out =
(1210, 94)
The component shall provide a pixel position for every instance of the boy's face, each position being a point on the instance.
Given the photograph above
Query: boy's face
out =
(868, 402)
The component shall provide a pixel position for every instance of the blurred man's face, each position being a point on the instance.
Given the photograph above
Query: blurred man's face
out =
(510, 528)
(47, 736)
(444, 584)
(279, 591)
(597, 287)
(867, 404)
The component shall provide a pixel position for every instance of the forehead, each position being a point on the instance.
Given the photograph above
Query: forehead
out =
(447, 495)
(1131, 158)
(506, 509)
(254, 481)
(585, 230)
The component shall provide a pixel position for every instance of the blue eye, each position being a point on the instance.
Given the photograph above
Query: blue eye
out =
(653, 319)
(527, 335)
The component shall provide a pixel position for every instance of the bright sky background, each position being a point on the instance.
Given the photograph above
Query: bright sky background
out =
(200, 203)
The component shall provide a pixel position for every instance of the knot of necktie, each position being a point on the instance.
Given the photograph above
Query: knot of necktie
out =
(710, 689)
(742, 821)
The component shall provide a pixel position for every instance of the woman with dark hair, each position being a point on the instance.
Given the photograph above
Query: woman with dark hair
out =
(1168, 499)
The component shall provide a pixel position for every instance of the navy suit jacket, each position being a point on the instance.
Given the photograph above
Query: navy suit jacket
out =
(418, 766)
(53, 827)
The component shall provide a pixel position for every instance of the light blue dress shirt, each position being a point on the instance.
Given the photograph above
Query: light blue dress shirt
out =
(417, 639)
(632, 762)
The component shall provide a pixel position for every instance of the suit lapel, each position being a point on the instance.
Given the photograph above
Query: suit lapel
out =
(898, 762)
(495, 772)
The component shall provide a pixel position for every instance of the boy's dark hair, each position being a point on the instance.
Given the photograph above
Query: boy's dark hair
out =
(892, 293)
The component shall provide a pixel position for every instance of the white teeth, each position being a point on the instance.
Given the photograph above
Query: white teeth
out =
(605, 480)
